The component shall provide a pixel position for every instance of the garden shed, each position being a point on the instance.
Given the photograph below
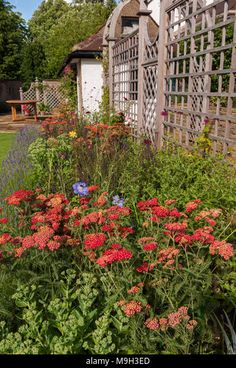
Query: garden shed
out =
(86, 58)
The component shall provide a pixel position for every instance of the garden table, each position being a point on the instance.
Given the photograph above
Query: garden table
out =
(15, 103)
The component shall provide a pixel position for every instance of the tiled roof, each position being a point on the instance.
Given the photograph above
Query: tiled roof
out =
(92, 43)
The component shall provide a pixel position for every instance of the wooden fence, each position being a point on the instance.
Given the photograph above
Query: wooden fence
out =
(170, 87)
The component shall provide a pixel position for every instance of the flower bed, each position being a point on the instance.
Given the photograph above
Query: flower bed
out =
(133, 264)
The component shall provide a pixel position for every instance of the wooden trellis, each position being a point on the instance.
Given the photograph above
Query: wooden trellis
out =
(125, 76)
(200, 68)
(184, 79)
(45, 92)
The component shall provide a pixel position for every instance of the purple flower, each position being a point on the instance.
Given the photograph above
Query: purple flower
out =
(164, 113)
(118, 201)
(80, 188)
(148, 142)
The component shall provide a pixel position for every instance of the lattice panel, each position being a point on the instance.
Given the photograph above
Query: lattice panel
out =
(200, 85)
(149, 127)
(50, 94)
(125, 77)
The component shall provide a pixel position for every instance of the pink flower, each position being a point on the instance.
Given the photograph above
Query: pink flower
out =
(191, 206)
(132, 308)
(224, 249)
(176, 226)
(152, 323)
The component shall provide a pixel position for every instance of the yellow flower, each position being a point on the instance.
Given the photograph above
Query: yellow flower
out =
(72, 134)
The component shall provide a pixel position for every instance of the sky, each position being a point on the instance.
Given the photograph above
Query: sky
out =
(26, 7)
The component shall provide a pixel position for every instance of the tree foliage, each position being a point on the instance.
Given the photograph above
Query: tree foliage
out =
(76, 25)
(12, 36)
(50, 41)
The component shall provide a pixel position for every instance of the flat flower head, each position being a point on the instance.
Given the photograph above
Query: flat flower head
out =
(72, 134)
(80, 188)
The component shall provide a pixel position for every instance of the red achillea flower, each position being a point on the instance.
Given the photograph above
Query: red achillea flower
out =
(145, 267)
(184, 239)
(176, 213)
(38, 217)
(41, 197)
(183, 311)
(84, 200)
(92, 241)
(72, 242)
(145, 240)
(102, 200)
(135, 289)
(202, 236)
(1, 208)
(168, 263)
(55, 226)
(109, 227)
(116, 246)
(150, 246)
(163, 323)
(152, 323)
(114, 216)
(124, 211)
(5, 238)
(92, 188)
(160, 211)
(169, 202)
(215, 213)
(191, 206)
(112, 255)
(191, 324)
(53, 245)
(3, 220)
(56, 199)
(120, 303)
(146, 205)
(167, 254)
(28, 242)
(19, 196)
(174, 319)
(19, 251)
(210, 221)
(76, 222)
(126, 230)
(131, 308)
(176, 226)
(93, 217)
(224, 249)
(42, 237)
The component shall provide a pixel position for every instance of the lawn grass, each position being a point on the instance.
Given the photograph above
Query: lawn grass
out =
(6, 140)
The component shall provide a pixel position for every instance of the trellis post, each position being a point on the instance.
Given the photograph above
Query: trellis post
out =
(161, 73)
(111, 43)
(37, 92)
(143, 20)
(21, 98)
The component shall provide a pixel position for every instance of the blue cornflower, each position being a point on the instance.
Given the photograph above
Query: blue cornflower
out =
(118, 201)
(80, 188)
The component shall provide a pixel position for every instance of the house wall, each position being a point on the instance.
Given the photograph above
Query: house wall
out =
(91, 82)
